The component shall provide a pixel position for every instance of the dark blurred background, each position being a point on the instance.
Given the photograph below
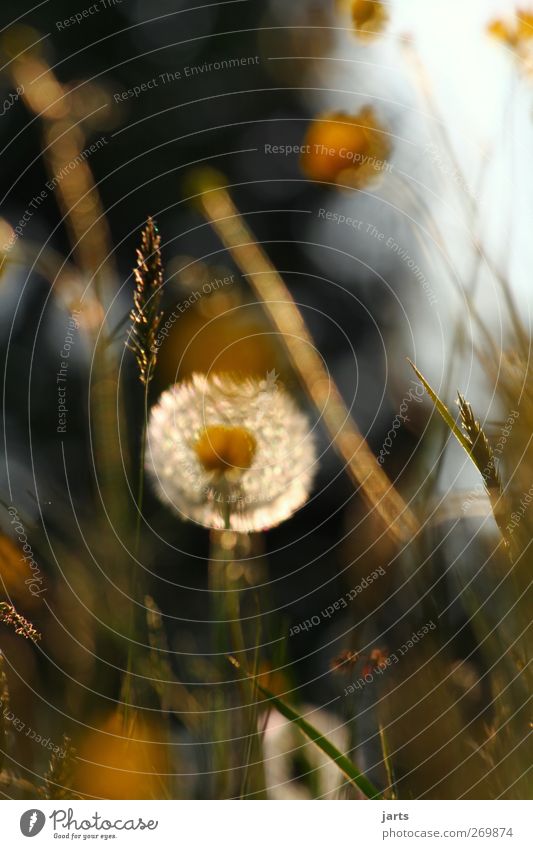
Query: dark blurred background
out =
(192, 112)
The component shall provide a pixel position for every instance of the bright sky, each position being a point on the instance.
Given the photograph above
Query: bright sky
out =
(487, 107)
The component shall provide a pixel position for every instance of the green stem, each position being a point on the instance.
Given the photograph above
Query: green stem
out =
(140, 487)
(127, 693)
(345, 765)
(392, 794)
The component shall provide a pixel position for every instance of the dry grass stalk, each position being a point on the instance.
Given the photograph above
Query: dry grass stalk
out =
(376, 488)
(4, 711)
(483, 456)
(482, 452)
(67, 159)
(4, 689)
(64, 153)
(146, 315)
(9, 616)
(58, 777)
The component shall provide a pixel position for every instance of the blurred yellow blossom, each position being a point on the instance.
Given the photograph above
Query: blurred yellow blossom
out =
(347, 149)
(118, 763)
(514, 32)
(369, 17)
(517, 34)
(15, 574)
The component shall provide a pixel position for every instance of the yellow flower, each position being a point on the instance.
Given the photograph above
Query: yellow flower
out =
(212, 324)
(369, 18)
(517, 34)
(16, 575)
(347, 149)
(500, 30)
(524, 25)
(119, 763)
(221, 450)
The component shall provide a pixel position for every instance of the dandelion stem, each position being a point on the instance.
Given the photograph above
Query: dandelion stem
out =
(226, 547)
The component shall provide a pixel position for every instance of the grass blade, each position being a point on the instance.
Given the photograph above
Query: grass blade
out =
(343, 763)
(477, 446)
(445, 413)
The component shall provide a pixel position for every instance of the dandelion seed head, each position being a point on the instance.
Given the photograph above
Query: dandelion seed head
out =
(220, 448)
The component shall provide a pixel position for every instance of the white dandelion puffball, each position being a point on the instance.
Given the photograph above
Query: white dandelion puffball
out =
(225, 452)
